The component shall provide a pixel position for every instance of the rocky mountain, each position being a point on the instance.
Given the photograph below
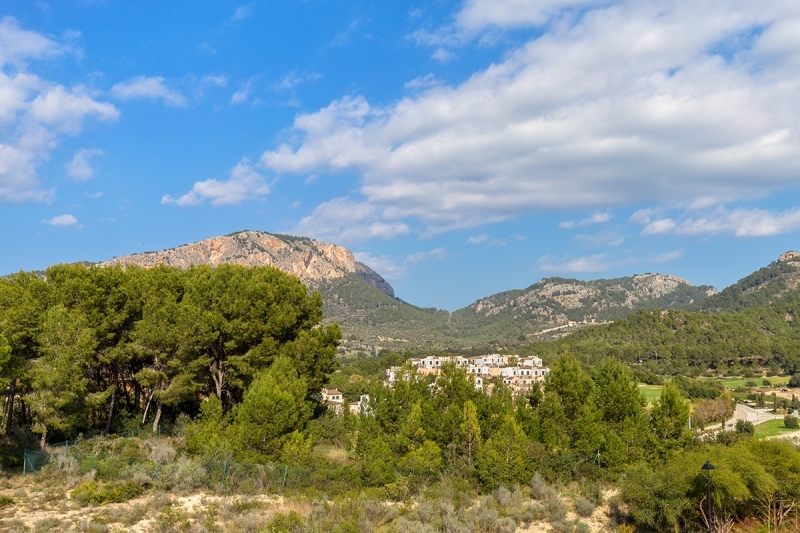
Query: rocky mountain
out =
(310, 260)
(760, 288)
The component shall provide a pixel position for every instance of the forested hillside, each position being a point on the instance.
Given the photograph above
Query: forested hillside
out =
(92, 349)
(682, 342)
(760, 288)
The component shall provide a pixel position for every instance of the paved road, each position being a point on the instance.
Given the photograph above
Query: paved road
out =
(743, 412)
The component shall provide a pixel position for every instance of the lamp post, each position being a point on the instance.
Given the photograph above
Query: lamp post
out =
(708, 467)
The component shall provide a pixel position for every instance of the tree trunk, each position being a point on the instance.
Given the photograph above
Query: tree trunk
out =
(147, 406)
(158, 416)
(111, 410)
(10, 413)
(137, 392)
(216, 374)
(43, 439)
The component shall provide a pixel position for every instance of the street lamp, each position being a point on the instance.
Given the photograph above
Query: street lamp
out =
(708, 467)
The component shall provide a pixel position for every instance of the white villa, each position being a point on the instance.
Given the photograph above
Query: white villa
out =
(519, 378)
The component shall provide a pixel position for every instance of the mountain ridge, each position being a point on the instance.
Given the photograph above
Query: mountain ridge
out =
(308, 259)
(372, 317)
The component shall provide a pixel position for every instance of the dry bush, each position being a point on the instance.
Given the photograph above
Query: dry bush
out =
(584, 507)
(542, 491)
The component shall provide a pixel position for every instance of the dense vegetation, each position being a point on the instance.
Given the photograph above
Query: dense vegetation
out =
(93, 350)
(234, 357)
(681, 342)
(758, 289)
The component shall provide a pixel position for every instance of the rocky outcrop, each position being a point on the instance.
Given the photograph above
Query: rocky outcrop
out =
(558, 300)
(308, 259)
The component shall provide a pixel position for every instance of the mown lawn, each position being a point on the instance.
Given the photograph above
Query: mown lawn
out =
(651, 392)
(771, 428)
(741, 382)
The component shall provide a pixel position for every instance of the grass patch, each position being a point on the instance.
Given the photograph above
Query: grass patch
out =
(777, 381)
(772, 428)
(651, 392)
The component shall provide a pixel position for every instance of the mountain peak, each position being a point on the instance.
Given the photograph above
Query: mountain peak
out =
(308, 259)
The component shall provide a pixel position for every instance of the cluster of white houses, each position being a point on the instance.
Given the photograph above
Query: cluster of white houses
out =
(517, 373)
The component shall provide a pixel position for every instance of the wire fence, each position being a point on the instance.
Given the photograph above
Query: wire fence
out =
(154, 461)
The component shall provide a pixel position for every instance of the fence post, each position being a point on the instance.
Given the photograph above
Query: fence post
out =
(285, 471)
(156, 469)
(24, 461)
(66, 447)
(159, 431)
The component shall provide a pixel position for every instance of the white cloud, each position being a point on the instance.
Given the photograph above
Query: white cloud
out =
(63, 221)
(661, 225)
(243, 12)
(343, 220)
(293, 79)
(596, 218)
(432, 255)
(601, 262)
(478, 14)
(442, 55)
(219, 81)
(80, 168)
(739, 222)
(244, 184)
(477, 239)
(391, 269)
(144, 87)
(627, 103)
(35, 113)
(241, 96)
(17, 45)
(383, 265)
(423, 82)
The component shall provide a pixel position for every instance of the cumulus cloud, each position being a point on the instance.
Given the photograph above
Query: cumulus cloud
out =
(244, 183)
(35, 113)
(18, 45)
(344, 220)
(740, 222)
(80, 168)
(478, 14)
(152, 88)
(601, 262)
(630, 102)
(63, 221)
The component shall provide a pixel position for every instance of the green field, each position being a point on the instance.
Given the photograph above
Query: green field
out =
(772, 428)
(651, 392)
(777, 381)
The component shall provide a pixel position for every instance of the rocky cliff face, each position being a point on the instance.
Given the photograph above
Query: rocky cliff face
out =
(310, 260)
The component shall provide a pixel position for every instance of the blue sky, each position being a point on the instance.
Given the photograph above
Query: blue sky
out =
(460, 148)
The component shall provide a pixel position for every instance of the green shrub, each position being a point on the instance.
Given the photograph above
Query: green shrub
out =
(584, 507)
(541, 490)
(284, 523)
(98, 494)
(6, 501)
(790, 422)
